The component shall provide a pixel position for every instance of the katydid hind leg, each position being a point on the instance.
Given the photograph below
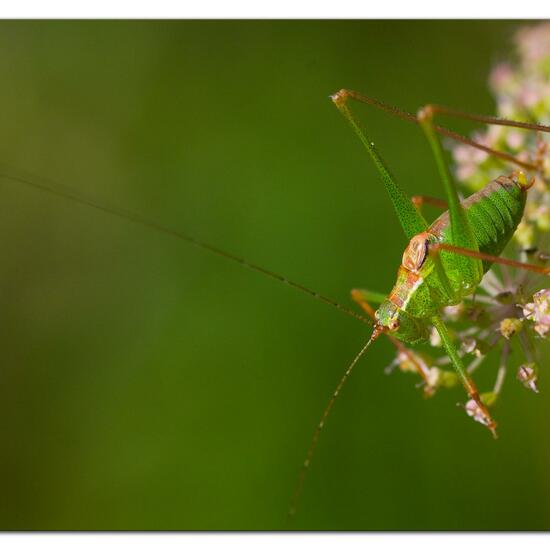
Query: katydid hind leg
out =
(485, 119)
(455, 113)
(437, 109)
(461, 232)
(410, 219)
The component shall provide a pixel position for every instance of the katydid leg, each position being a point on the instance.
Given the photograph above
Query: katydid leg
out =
(455, 113)
(410, 219)
(463, 375)
(462, 235)
(362, 297)
(362, 98)
(435, 248)
(420, 200)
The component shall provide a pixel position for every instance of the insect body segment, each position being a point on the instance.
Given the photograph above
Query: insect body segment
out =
(494, 213)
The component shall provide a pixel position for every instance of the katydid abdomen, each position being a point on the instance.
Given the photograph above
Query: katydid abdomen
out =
(494, 213)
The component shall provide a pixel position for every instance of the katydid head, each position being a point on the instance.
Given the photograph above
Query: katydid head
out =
(397, 322)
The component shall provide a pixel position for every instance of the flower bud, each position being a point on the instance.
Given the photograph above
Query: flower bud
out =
(473, 346)
(474, 411)
(527, 375)
(509, 327)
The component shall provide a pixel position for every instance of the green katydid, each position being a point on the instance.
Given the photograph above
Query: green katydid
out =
(443, 263)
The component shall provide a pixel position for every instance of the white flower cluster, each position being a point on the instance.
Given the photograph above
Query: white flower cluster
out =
(522, 93)
(538, 311)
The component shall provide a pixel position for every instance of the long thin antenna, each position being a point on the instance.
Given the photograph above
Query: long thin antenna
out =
(69, 194)
(314, 440)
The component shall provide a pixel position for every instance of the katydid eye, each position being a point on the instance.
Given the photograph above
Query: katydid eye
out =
(394, 324)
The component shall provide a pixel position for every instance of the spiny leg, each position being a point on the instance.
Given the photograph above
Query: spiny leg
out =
(410, 219)
(436, 247)
(483, 413)
(469, 268)
(461, 232)
(449, 111)
(362, 98)
(489, 150)
(438, 109)
(412, 222)
(362, 297)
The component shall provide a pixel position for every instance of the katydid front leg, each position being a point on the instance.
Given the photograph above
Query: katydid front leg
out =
(362, 297)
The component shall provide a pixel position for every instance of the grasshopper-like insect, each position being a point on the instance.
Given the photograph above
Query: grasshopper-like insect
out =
(443, 263)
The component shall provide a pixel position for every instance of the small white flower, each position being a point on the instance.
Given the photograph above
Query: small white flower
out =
(538, 311)
(509, 327)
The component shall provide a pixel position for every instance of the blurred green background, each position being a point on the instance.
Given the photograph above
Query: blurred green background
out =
(146, 384)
